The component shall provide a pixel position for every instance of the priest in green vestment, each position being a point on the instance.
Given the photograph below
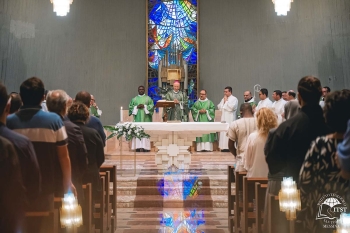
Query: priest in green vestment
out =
(142, 108)
(180, 111)
(204, 111)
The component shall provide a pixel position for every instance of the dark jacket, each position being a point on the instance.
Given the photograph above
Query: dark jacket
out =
(78, 158)
(96, 156)
(286, 148)
(12, 194)
(27, 159)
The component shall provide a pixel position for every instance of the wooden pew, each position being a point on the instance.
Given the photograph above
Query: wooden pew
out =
(108, 206)
(231, 197)
(88, 225)
(277, 221)
(260, 195)
(113, 195)
(248, 196)
(100, 216)
(238, 204)
(47, 216)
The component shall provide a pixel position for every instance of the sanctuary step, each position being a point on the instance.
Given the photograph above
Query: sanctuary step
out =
(141, 220)
(147, 189)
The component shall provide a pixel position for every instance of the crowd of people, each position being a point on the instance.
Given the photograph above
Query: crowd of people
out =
(49, 146)
(295, 135)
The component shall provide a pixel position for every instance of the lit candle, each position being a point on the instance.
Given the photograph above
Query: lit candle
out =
(121, 114)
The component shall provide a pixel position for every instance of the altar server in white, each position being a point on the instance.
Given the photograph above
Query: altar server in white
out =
(228, 107)
(278, 105)
(264, 102)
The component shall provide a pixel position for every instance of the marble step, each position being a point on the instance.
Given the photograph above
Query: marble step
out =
(152, 190)
(149, 201)
(155, 181)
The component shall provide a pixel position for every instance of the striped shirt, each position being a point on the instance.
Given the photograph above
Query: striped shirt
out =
(46, 131)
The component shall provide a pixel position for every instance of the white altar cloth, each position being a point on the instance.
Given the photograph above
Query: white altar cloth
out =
(174, 139)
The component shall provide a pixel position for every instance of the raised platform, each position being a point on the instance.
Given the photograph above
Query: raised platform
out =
(152, 193)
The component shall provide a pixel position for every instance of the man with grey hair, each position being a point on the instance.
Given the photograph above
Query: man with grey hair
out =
(56, 102)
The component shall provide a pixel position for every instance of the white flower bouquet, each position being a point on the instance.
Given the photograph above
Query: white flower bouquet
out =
(127, 130)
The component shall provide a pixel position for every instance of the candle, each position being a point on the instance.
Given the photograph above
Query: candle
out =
(121, 114)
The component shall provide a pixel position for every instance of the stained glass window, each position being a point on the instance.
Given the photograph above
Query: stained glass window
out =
(172, 33)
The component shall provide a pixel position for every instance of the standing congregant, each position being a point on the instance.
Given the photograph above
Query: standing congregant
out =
(204, 111)
(180, 111)
(142, 108)
(47, 133)
(228, 107)
(238, 133)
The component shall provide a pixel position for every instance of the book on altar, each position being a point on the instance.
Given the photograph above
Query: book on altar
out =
(165, 104)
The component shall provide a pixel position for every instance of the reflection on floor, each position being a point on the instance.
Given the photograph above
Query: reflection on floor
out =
(172, 200)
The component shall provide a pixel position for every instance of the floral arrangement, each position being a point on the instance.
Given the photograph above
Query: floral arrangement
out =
(127, 130)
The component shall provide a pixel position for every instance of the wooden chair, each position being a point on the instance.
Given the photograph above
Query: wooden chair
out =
(46, 216)
(238, 204)
(113, 195)
(88, 225)
(100, 216)
(260, 194)
(248, 196)
(230, 196)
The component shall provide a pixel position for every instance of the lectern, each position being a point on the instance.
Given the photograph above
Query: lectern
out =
(165, 104)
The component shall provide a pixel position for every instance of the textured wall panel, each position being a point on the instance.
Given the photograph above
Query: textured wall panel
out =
(99, 47)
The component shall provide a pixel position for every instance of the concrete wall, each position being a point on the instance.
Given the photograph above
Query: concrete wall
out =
(100, 47)
(243, 43)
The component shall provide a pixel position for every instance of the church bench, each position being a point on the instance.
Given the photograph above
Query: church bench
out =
(238, 202)
(113, 195)
(231, 196)
(260, 194)
(100, 216)
(275, 216)
(88, 225)
(248, 214)
(107, 207)
(45, 216)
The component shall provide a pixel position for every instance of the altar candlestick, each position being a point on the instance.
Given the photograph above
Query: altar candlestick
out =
(186, 76)
(160, 74)
(121, 114)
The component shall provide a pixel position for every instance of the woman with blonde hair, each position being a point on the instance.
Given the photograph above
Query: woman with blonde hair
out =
(255, 163)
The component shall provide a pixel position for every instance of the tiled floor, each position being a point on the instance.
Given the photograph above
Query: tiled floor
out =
(172, 200)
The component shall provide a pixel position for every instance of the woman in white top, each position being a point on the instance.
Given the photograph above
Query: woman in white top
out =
(255, 162)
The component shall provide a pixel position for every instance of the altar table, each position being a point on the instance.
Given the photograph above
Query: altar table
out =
(174, 139)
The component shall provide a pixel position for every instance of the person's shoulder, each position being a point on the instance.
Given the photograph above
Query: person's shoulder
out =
(70, 125)
(253, 135)
(91, 132)
(94, 120)
(14, 137)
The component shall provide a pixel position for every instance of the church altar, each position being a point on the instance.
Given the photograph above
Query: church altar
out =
(174, 139)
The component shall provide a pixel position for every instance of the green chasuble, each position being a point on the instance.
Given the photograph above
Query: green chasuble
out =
(180, 111)
(141, 115)
(93, 111)
(204, 117)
